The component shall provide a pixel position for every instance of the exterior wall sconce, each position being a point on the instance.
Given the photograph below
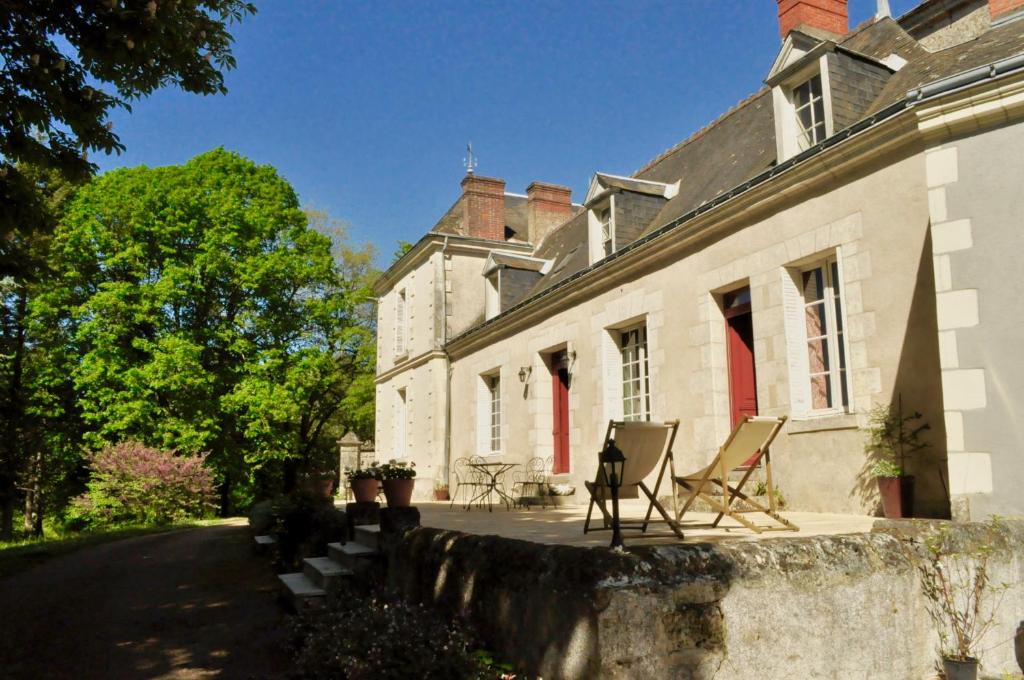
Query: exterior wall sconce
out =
(524, 373)
(613, 462)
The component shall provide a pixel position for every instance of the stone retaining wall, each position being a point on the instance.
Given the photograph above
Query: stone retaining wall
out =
(836, 607)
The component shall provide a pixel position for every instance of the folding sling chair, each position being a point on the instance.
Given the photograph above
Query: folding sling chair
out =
(643, 444)
(746, 446)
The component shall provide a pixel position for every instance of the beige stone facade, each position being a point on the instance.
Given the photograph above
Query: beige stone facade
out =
(885, 210)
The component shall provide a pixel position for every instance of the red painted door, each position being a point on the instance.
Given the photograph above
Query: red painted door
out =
(560, 399)
(742, 377)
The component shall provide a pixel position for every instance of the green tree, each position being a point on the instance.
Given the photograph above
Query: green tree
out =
(65, 65)
(37, 418)
(206, 315)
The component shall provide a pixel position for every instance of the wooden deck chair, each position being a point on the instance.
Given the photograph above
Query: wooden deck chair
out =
(644, 445)
(746, 446)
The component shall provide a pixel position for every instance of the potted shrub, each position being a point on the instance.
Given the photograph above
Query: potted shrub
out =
(962, 600)
(441, 491)
(365, 483)
(398, 479)
(892, 437)
(319, 483)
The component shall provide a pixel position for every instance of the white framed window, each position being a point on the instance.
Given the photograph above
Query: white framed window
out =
(489, 427)
(494, 386)
(604, 220)
(809, 109)
(401, 421)
(636, 385)
(818, 364)
(401, 324)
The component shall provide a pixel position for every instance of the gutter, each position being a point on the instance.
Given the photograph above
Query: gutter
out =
(914, 97)
(448, 369)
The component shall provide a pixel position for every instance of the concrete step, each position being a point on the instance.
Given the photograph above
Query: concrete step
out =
(300, 592)
(263, 543)
(368, 535)
(354, 556)
(324, 572)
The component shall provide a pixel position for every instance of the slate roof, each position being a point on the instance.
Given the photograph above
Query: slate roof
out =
(740, 144)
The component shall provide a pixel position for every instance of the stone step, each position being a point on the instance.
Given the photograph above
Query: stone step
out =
(367, 535)
(263, 543)
(324, 572)
(300, 592)
(355, 556)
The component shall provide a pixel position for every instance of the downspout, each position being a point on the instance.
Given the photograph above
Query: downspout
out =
(447, 363)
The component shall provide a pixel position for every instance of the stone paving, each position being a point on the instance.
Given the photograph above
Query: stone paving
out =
(564, 525)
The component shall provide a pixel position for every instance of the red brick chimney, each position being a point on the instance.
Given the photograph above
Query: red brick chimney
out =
(483, 207)
(997, 8)
(547, 205)
(825, 15)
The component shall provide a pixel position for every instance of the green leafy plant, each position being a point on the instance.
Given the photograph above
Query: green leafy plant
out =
(394, 469)
(892, 438)
(761, 489)
(962, 599)
(364, 635)
(370, 472)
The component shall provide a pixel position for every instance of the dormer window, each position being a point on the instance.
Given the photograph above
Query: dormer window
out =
(809, 107)
(604, 219)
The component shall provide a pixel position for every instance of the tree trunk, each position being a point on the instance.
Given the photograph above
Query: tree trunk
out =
(34, 496)
(6, 508)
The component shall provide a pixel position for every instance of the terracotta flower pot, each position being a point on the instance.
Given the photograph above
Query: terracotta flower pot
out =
(957, 669)
(897, 496)
(398, 492)
(321, 488)
(441, 495)
(365, 490)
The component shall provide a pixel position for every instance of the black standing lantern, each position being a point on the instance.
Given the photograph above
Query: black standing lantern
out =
(613, 463)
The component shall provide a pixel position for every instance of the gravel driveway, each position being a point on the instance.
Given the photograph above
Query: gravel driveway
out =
(186, 604)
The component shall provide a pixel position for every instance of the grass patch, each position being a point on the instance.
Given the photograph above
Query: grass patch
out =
(22, 554)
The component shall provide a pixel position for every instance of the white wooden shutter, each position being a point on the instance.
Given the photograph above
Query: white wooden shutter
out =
(612, 356)
(483, 417)
(796, 344)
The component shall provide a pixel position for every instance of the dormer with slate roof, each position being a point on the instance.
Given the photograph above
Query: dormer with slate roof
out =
(619, 209)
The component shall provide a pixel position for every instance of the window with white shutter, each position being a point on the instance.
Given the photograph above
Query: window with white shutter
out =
(401, 323)
(636, 388)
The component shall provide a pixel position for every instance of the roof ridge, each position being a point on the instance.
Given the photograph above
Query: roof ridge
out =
(700, 133)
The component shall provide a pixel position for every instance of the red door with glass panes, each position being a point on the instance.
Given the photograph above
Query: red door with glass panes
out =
(560, 399)
(739, 339)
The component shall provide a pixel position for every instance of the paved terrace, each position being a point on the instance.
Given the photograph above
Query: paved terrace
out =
(564, 525)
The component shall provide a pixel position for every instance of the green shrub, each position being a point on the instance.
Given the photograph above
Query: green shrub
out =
(131, 483)
(363, 636)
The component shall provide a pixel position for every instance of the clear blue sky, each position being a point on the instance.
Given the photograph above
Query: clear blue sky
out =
(366, 108)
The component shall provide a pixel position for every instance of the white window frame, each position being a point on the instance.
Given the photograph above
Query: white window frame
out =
(836, 343)
(494, 386)
(601, 233)
(787, 128)
(807, 137)
(635, 365)
(490, 416)
(401, 323)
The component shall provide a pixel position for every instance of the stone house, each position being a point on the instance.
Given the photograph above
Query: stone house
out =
(844, 237)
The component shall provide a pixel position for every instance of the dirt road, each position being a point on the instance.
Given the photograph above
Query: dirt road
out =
(186, 604)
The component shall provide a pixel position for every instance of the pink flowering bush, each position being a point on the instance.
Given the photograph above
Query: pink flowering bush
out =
(133, 483)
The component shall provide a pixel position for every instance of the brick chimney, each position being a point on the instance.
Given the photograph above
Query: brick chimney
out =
(547, 205)
(999, 8)
(483, 207)
(825, 15)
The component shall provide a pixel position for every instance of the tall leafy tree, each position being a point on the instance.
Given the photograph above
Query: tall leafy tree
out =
(206, 314)
(64, 66)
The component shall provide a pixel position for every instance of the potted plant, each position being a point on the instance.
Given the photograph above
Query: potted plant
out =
(892, 437)
(318, 482)
(441, 490)
(365, 483)
(962, 600)
(398, 478)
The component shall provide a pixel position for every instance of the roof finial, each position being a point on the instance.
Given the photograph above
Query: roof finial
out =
(883, 10)
(470, 161)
